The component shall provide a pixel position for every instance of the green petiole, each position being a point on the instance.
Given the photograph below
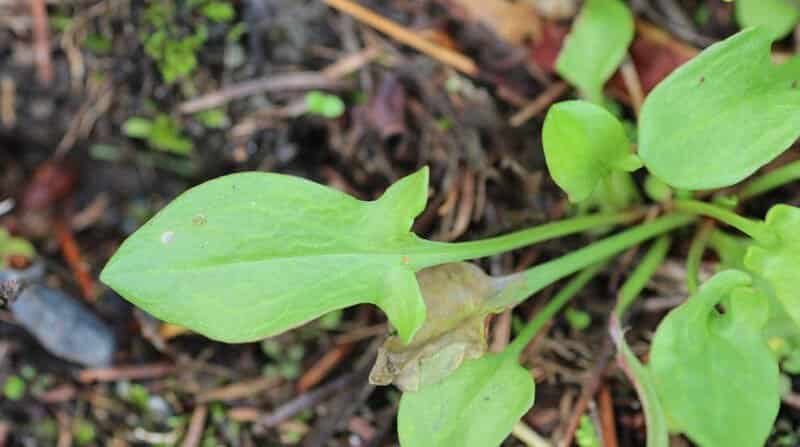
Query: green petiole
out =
(695, 255)
(638, 279)
(436, 253)
(657, 434)
(524, 284)
(772, 180)
(754, 228)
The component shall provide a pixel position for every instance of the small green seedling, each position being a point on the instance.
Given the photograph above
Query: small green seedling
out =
(324, 104)
(161, 133)
(584, 146)
(173, 48)
(14, 388)
(586, 435)
(251, 255)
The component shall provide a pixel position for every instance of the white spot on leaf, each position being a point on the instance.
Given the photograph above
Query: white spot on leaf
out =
(167, 237)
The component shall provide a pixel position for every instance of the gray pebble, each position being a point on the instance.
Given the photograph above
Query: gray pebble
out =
(63, 326)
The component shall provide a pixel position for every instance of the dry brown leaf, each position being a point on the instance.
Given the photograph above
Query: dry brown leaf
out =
(514, 21)
(456, 298)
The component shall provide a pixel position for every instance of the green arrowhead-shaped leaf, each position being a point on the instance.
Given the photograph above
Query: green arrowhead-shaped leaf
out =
(250, 255)
(779, 263)
(778, 16)
(583, 145)
(721, 116)
(715, 376)
(596, 46)
(477, 406)
(732, 251)
(456, 298)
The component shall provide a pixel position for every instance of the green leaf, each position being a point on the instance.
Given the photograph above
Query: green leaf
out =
(714, 373)
(14, 246)
(477, 406)
(732, 251)
(596, 46)
(583, 145)
(166, 135)
(219, 11)
(14, 388)
(137, 127)
(320, 103)
(586, 435)
(777, 16)
(213, 118)
(721, 116)
(456, 298)
(250, 255)
(779, 263)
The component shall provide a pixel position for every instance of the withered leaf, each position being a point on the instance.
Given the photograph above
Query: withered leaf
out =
(456, 298)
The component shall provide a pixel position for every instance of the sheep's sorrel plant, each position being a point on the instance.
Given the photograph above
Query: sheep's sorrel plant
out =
(251, 255)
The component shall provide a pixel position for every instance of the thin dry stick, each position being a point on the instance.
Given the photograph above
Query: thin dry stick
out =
(406, 36)
(304, 80)
(329, 78)
(239, 390)
(151, 371)
(323, 367)
(41, 39)
(607, 420)
(538, 105)
(633, 84)
(198, 422)
(590, 386)
(8, 102)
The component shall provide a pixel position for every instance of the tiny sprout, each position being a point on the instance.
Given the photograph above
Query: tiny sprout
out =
(324, 104)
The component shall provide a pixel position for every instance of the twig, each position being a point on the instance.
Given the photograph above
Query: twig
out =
(406, 36)
(606, 407)
(72, 254)
(195, 431)
(502, 332)
(351, 63)
(8, 102)
(633, 84)
(528, 437)
(5, 429)
(465, 205)
(306, 400)
(41, 39)
(362, 333)
(239, 390)
(64, 429)
(589, 388)
(538, 105)
(323, 367)
(151, 371)
(305, 80)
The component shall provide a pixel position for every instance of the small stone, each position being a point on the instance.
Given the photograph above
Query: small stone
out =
(63, 326)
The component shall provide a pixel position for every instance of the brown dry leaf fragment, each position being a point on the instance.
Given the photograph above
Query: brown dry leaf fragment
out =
(514, 21)
(456, 299)
(556, 9)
